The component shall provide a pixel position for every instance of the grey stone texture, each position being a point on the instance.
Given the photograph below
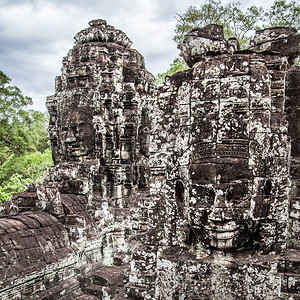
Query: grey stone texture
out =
(189, 190)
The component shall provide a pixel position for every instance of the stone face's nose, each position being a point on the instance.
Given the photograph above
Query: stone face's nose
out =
(219, 199)
(216, 215)
(221, 214)
(70, 136)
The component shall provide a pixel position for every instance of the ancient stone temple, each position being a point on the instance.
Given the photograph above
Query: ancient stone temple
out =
(189, 190)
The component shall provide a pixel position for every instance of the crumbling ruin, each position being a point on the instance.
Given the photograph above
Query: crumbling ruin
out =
(186, 191)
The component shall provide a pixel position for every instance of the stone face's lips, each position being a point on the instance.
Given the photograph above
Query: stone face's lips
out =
(223, 235)
(228, 226)
(222, 230)
(73, 150)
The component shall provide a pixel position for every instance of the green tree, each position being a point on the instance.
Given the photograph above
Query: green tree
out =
(21, 130)
(25, 151)
(14, 134)
(177, 65)
(14, 185)
(283, 13)
(213, 12)
(237, 23)
(18, 170)
(38, 130)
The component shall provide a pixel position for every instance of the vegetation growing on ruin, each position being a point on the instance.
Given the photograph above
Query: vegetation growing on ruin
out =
(237, 23)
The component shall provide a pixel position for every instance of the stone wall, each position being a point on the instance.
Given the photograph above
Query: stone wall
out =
(186, 191)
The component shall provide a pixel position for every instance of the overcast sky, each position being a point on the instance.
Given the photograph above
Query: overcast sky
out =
(36, 34)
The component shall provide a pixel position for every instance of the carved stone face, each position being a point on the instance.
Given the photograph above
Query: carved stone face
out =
(219, 203)
(191, 45)
(77, 135)
(194, 46)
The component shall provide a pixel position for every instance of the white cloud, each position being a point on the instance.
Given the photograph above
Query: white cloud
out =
(36, 34)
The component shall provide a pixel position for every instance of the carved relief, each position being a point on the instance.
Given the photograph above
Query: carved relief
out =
(187, 191)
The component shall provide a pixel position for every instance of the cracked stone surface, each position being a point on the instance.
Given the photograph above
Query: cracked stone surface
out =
(189, 190)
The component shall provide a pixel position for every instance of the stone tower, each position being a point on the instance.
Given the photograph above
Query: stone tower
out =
(186, 191)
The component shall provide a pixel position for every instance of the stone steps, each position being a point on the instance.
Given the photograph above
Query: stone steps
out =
(95, 290)
(105, 281)
(101, 291)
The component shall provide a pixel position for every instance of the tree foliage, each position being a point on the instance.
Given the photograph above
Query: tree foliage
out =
(177, 65)
(237, 23)
(283, 13)
(24, 149)
(19, 170)
(12, 114)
